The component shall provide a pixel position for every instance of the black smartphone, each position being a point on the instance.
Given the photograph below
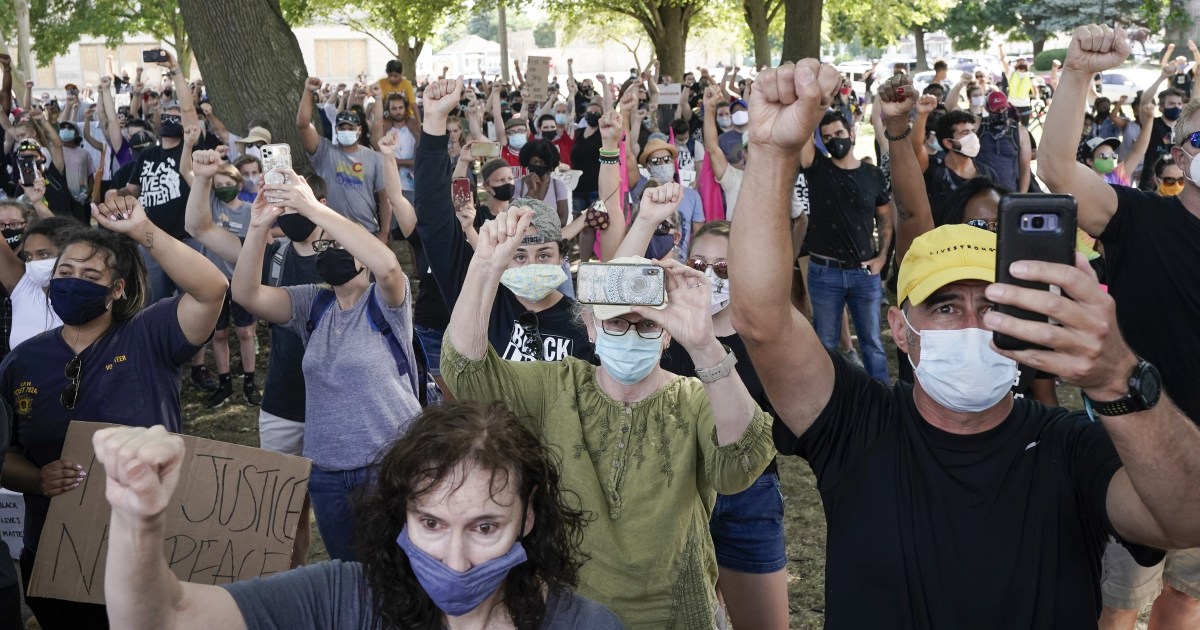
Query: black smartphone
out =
(1032, 227)
(154, 55)
(27, 165)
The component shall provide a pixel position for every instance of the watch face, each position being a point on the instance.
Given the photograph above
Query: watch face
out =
(1148, 384)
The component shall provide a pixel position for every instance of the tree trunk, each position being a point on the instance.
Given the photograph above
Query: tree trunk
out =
(24, 44)
(670, 38)
(918, 33)
(251, 62)
(18, 77)
(756, 18)
(1038, 45)
(407, 50)
(183, 48)
(802, 29)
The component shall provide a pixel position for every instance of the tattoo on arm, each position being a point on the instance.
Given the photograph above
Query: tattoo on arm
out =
(149, 240)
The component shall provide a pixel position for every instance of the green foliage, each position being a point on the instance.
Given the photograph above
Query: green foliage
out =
(544, 35)
(877, 23)
(1045, 59)
(972, 23)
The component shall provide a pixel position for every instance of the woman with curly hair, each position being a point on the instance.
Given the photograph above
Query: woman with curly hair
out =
(466, 527)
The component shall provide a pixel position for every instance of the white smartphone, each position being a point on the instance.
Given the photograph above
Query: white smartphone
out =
(621, 284)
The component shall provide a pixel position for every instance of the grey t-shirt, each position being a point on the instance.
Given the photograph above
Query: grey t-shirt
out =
(356, 400)
(352, 179)
(335, 594)
(234, 217)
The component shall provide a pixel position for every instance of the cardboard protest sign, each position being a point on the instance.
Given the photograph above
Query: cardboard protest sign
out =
(668, 93)
(233, 517)
(12, 521)
(537, 80)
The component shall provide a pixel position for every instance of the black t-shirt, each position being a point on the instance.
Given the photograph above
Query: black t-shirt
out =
(1152, 266)
(941, 182)
(1160, 145)
(928, 529)
(164, 192)
(283, 392)
(440, 232)
(585, 157)
(1183, 83)
(676, 360)
(841, 223)
(429, 310)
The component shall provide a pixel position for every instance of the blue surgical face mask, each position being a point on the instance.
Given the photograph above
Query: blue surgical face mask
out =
(77, 301)
(347, 137)
(561, 119)
(627, 358)
(457, 593)
(66, 135)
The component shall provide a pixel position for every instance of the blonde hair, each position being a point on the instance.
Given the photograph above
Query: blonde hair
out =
(1185, 126)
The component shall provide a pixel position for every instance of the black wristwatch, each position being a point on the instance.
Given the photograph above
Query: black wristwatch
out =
(1145, 388)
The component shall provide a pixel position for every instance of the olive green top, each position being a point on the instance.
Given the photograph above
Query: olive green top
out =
(648, 472)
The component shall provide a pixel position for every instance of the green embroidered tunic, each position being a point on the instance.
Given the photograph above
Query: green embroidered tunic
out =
(648, 472)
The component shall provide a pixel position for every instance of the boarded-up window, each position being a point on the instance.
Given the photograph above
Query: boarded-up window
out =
(340, 58)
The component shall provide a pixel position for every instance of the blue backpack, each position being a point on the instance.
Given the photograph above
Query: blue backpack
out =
(422, 383)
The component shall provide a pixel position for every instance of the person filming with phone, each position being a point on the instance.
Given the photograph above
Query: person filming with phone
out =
(652, 448)
(949, 503)
(1151, 245)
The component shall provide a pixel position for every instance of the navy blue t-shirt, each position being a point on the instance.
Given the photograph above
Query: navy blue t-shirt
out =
(283, 392)
(129, 376)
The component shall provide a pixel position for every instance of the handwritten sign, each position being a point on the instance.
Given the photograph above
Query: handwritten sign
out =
(668, 93)
(12, 520)
(537, 79)
(233, 517)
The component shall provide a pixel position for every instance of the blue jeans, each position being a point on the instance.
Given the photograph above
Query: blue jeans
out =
(333, 494)
(159, 285)
(830, 290)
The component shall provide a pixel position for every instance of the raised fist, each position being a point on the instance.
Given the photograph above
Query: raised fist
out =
(442, 96)
(206, 163)
(142, 466)
(312, 83)
(788, 104)
(1096, 48)
(897, 97)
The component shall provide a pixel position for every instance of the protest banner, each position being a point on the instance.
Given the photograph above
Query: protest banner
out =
(233, 517)
(12, 521)
(668, 93)
(537, 81)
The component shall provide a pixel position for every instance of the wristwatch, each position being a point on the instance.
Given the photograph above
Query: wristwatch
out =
(720, 370)
(1145, 389)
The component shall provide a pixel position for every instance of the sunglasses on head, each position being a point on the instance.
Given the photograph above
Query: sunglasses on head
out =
(1192, 139)
(721, 267)
(324, 244)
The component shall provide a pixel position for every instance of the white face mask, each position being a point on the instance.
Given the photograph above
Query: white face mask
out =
(662, 172)
(960, 371)
(740, 117)
(720, 292)
(968, 145)
(347, 137)
(978, 101)
(39, 271)
(724, 122)
(254, 151)
(1193, 174)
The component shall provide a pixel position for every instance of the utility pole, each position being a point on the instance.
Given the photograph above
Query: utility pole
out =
(503, 28)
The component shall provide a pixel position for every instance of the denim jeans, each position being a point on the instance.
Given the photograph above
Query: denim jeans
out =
(334, 494)
(830, 290)
(159, 284)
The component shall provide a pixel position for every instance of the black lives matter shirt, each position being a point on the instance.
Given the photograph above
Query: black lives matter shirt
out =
(449, 254)
(164, 192)
(1152, 265)
(841, 222)
(927, 529)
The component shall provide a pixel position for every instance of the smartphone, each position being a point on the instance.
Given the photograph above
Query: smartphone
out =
(621, 284)
(460, 191)
(154, 55)
(275, 158)
(1032, 227)
(27, 165)
(485, 150)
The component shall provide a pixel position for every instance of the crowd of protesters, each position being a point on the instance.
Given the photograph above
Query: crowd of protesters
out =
(493, 447)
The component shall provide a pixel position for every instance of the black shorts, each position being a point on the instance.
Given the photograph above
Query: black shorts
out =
(233, 311)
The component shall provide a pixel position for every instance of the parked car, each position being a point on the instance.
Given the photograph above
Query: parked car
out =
(1114, 85)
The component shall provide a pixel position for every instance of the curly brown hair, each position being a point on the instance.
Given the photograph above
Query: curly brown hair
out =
(440, 440)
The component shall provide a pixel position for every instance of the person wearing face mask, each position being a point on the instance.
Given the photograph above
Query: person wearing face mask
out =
(739, 117)
(1144, 235)
(850, 202)
(724, 118)
(139, 141)
(115, 357)
(353, 172)
(539, 159)
(955, 165)
(250, 168)
(1102, 158)
(1162, 131)
(1004, 145)
(459, 532)
(626, 410)
(345, 430)
(51, 168)
(25, 277)
(658, 158)
(954, 462)
(250, 145)
(530, 319)
(555, 132)
(1168, 177)
(516, 132)
(80, 166)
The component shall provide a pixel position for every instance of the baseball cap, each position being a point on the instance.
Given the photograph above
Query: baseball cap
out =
(997, 101)
(141, 140)
(29, 144)
(348, 117)
(1092, 143)
(943, 255)
(737, 102)
(258, 134)
(609, 311)
(545, 218)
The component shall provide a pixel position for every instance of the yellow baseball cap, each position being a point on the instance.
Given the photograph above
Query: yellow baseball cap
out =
(946, 254)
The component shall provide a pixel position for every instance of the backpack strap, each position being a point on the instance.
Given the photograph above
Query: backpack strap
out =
(325, 299)
(381, 324)
(277, 260)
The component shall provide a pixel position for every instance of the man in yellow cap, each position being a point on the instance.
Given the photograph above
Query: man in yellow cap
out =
(949, 503)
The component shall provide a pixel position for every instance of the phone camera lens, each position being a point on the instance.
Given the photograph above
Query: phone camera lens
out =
(1039, 223)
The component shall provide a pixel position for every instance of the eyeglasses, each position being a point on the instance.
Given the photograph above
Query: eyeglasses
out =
(659, 161)
(70, 394)
(721, 267)
(1106, 156)
(13, 225)
(983, 225)
(646, 328)
(324, 244)
(1172, 181)
(528, 322)
(171, 118)
(1192, 139)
